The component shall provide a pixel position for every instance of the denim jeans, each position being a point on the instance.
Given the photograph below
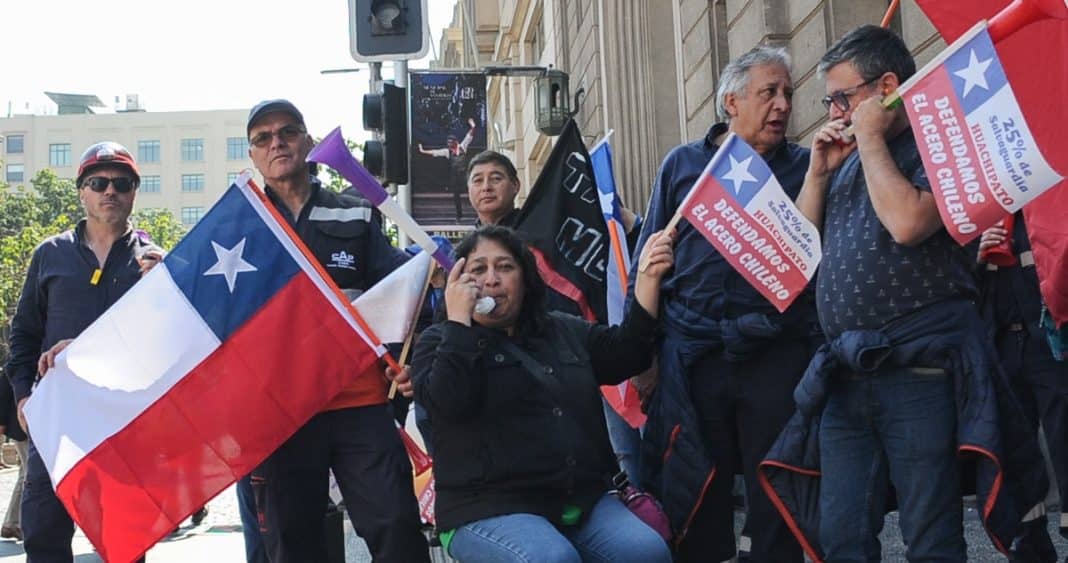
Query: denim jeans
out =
(898, 426)
(609, 534)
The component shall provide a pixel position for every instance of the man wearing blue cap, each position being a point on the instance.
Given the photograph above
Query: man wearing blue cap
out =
(354, 434)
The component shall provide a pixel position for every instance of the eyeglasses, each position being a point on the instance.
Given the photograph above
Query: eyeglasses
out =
(289, 133)
(841, 97)
(100, 183)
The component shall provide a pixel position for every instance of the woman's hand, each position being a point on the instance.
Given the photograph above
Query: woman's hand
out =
(461, 293)
(658, 255)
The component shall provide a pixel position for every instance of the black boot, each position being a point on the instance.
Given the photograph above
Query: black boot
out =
(1033, 544)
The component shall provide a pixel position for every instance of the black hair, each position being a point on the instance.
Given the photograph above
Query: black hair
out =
(532, 312)
(493, 157)
(874, 51)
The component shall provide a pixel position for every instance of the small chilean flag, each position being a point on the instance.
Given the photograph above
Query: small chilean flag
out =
(191, 379)
(740, 207)
(978, 151)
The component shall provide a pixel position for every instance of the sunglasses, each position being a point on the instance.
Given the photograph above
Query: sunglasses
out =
(100, 183)
(841, 97)
(289, 134)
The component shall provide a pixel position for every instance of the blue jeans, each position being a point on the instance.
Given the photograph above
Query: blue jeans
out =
(626, 442)
(898, 426)
(610, 534)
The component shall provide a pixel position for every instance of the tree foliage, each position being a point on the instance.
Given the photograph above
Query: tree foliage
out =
(28, 216)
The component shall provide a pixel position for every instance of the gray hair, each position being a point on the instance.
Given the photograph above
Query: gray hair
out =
(735, 76)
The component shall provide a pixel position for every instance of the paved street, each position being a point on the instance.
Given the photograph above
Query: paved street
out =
(218, 538)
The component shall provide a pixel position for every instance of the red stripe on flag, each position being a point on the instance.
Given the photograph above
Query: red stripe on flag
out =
(933, 109)
(562, 285)
(215, 424)
(629, 406)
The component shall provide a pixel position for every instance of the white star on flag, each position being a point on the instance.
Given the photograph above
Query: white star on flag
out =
(739, 173)
(230, 263)
(974, 74)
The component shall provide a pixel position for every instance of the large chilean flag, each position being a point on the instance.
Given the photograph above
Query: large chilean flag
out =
(191, 379)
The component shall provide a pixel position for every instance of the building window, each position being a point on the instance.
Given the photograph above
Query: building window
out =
(59, 154)
(236, 148)
(14, 144)
(150, 184)
(190, 215)
(147, 151)
(192, 149)
(15, 173)
(192, 182)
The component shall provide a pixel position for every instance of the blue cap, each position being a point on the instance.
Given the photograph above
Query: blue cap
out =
(272, 106)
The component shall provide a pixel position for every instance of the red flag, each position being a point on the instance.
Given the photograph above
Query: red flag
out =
(1034, 60)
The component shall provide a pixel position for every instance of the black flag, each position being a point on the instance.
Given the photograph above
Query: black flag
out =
(562, 222)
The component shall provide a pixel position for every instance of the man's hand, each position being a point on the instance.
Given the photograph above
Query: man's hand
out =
(871, 119)
(149, 259)
(829, 148)
(992, 237)
(22, 417)
(402, 379)
(471, 122)
(48, 359)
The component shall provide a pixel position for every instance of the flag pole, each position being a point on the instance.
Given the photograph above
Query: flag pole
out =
(411, 327)
(366, 328)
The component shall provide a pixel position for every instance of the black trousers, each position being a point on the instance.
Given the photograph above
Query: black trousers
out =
(372, 469)
(743, 407)
(1041, 385)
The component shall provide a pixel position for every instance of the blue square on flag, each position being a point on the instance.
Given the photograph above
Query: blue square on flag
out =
(976, 72)
(741, 171)
(213, 263)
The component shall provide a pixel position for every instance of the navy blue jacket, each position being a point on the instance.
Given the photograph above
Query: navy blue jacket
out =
(59, 301)
(993, 434)
(707, 307)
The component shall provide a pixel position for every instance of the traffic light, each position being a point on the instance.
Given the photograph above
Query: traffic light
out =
(386, 30)
(387, 113)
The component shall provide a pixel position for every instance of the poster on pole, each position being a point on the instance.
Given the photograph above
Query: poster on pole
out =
(448, 112)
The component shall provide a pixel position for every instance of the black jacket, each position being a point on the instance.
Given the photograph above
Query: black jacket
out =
(59, 299)
(503, 443)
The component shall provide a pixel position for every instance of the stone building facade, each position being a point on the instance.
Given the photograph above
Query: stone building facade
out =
(649, 68)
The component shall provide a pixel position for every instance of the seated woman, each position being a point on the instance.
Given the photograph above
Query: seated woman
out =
(523, 464)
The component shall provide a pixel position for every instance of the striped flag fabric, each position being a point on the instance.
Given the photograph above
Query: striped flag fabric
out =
(197, 374)
(623, 398)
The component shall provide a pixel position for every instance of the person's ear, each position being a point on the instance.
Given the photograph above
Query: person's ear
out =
(888, 83)
(730, 103)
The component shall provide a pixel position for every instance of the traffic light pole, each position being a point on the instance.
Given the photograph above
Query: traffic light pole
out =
(404, 191)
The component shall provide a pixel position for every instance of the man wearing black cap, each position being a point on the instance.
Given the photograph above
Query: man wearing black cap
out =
(354, 435)
(72, 279)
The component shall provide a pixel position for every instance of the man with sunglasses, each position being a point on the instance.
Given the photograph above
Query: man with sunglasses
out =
(72, 279)
(728, 361)
(354, 434)
(895, 297)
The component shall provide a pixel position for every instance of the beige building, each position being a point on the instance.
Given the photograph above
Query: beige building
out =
(649, 68)
(187, 158)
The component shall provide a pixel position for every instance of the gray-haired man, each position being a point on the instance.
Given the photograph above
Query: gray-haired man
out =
(728, 360)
